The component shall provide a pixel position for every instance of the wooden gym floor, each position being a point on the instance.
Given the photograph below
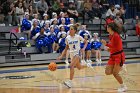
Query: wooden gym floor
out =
(38, 79)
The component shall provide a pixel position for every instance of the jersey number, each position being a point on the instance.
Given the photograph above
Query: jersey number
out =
(74, 47)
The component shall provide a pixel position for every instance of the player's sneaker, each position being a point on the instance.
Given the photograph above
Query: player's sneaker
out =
(67, 62)
(68, 83)
(90, 61)
(87, 61)
(122, 89)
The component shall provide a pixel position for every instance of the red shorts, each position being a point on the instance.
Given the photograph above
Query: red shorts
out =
(116, 59)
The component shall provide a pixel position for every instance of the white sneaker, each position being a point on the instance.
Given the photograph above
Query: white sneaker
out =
(90, 61)
(67, 62)
(87, 61)
(54, 51)
(68, 83)
(89, 65)
(97, 60)
(122, 89)
(100, 60)
(10, 25)
(83, 62)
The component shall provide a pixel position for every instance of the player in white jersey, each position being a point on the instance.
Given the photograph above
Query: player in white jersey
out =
(73, 44)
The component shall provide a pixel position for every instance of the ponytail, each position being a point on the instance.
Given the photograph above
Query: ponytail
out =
(114, 27)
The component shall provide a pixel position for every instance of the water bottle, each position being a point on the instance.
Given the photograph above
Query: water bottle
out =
(19, 28)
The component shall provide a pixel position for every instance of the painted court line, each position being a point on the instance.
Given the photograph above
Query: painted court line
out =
(45, 68)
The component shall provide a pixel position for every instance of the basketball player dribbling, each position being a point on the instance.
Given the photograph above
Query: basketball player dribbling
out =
(73, 44)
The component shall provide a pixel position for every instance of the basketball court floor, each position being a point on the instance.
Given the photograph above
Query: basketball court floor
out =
(38, 79)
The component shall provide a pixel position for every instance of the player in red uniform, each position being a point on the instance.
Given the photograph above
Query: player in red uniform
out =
(138, 29)
(117, 56)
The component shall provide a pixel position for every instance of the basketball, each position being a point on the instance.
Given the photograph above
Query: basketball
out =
(52, 66)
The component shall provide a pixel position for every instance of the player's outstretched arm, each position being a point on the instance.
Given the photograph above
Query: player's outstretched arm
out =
(63, 53)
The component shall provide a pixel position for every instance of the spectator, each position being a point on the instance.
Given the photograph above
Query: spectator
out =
(122, 11)
(88, 5)
(71, 1)
(96, 50)
(23, 4)
(88, 10)
(62, 8)
(79, 4)
(12, 15)
(72, 12)
(28, 3)
(41, 8)
(135, 21)
(54, 15)
(112, 11)
(47, 26)
(119, 23)
(1, 14)
(138, 29)
(43, 22)
(65, 2)
(52, 35)
(26, 25)
(35, 29)
(61, 42)
(48, 2)
(96, 9)
(31, 12)
(0, 7)
(40, 39)
(19, 13)
(36, 18)
(56, 6)
(118, 20)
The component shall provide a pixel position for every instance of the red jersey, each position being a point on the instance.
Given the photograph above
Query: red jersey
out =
(137, 30)
(115, 43)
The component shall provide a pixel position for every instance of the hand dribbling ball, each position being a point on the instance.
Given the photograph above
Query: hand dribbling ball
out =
(52, 66)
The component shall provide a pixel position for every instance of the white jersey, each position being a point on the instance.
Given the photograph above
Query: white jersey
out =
(74, 43)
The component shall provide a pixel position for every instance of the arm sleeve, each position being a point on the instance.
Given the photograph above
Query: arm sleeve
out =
(114, 44)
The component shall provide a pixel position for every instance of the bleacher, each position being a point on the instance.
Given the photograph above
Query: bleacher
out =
(9, 56)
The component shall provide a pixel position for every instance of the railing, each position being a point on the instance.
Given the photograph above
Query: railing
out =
(10, 41)
(101, 20)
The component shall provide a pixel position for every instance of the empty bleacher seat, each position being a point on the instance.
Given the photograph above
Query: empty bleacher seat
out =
(133, 44)
(138, 51)
(49, 56)
(131, 32)
(2, 59)
(131, 38)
